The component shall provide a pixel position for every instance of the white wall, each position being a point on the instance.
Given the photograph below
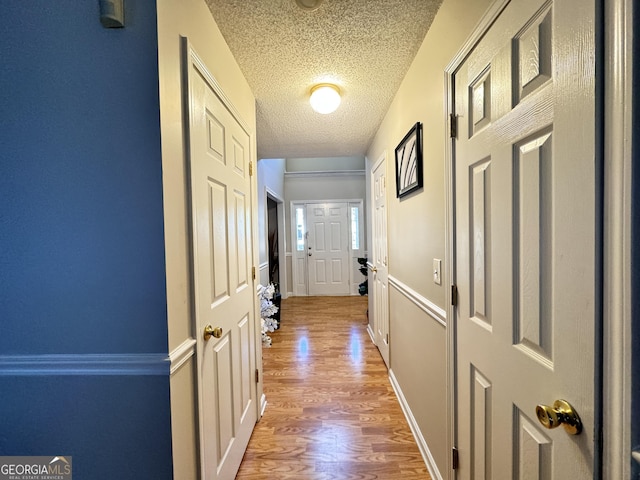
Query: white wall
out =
(270, 179)
(321, 187)
(325, 164)
(416, 227)
(191, 19)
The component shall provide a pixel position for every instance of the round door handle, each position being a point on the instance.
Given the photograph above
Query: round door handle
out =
(210, 331)
(374, 269)
(562, 413)
(309, 253)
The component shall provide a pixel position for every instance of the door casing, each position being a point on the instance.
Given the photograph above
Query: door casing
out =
(300, 279)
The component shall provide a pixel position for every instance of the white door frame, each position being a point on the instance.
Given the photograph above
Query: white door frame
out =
(615, 61)
(352, 254)
(617, 374)
(270, 194)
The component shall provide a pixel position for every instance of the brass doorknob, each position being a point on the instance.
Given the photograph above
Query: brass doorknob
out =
(210, 331)
(563, 414)
(374, 269)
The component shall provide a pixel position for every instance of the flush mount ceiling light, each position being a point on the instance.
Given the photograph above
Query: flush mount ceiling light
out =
(324, 98)
(308, 4)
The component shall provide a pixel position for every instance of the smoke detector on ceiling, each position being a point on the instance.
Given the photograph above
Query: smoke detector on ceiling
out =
(308, 4)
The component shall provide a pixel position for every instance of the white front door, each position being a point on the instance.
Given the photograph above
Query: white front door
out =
(379, 274)
(328, 248)
(224, 291)
(526, 251)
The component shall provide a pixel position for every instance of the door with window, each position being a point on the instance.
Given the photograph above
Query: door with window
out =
(526, 244)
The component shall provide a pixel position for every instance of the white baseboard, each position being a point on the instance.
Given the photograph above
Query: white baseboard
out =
(263, 404)
(422, 444)
(371, 334)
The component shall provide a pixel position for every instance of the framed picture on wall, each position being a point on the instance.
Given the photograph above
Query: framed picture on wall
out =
(409, 162)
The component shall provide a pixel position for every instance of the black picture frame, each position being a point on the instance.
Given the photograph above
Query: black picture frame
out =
(409, 162)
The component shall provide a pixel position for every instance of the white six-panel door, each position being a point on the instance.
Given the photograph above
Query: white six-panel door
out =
(224, 292)
(380, 274)
(328, 248)
(526, 251)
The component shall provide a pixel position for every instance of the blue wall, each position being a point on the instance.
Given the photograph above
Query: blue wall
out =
(82, 267)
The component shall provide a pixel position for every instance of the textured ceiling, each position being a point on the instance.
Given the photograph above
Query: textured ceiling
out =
(363, 46)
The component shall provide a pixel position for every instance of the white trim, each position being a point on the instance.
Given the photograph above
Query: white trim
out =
(263, 405)
(183, 352)
(415, 429)
(327, 173)
(450, 272)
(197, 62)
(282, 236)
(617, 375)
(264, 266)
(424, 304)
(371, 334)
(490, 16)
(85, 364)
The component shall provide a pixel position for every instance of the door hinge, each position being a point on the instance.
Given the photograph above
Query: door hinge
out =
(454, 295)
(251, 168)
(257, 376)
(454, 458)
(387, 339)
(253, 272)
(453, 125)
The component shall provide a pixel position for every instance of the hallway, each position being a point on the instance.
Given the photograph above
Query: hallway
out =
(331, 411)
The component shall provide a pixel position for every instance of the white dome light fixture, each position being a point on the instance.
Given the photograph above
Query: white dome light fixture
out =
(308, 4)
(325, 98)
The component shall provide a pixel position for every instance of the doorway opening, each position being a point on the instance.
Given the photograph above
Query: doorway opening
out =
(272, 241)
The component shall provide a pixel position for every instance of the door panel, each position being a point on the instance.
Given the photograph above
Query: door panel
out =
(526, 253)
(220, 203)
(328, 249)
(380, 270)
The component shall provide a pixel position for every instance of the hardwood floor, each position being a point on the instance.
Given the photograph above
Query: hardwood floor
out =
(331, 412)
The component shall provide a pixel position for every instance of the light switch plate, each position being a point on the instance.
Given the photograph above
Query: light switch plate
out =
(437, 268)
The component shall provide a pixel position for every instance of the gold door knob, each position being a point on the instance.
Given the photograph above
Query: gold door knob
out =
(374, 269)
(563, 414)
(210, 331)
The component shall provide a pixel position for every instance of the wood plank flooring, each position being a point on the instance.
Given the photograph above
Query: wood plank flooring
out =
(331, 412)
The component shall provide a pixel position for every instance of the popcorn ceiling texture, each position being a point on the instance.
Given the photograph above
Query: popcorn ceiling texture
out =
(363, 46)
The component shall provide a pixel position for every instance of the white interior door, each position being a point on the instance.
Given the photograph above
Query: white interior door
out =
(328, 248)
(526, 251)
(379, 275)
(224, 292)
